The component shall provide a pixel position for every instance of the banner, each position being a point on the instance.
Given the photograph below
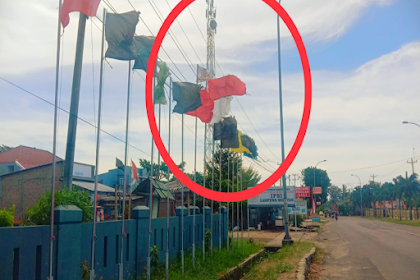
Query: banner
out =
(303, 192)
(273, 197)
(317, 190)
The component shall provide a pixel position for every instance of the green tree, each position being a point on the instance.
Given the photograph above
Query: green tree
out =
(334, 194)
(321, 180)
(7, 217)
(4, 148)
(39, 214)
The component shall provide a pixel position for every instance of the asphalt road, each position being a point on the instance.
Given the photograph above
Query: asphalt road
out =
(358, 248)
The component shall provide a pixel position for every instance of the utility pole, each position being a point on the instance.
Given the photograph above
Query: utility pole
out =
(74, 105)
(412, 162)
(288, 176)
(373, 177)
(295, 177)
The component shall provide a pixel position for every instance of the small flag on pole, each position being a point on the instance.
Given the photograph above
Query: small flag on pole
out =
(203, 75)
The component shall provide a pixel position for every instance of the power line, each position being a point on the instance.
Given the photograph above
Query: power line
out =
(61, 109)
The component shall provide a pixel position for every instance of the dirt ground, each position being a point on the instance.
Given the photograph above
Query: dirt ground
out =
(262, 236)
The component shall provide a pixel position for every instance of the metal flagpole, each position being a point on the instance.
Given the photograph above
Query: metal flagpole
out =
(233, 204)
(182, 193)
(227, 241)
(150, 197)
(125, 174)
(204, 199)
(168, 175)
(212, 202)
(57, 70)
(98, 133)
(237, 203)
(220, 190)
(287, 239)
(195, 180)
(247, 207)
(242, 210)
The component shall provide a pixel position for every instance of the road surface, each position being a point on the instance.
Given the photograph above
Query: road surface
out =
(358, 248)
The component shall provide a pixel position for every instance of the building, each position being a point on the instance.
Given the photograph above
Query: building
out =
(26, 174)
(175, 187)
(160, 195)
(23, 157)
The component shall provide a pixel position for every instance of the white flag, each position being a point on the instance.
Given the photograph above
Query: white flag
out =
(203, 75)
(221, 109)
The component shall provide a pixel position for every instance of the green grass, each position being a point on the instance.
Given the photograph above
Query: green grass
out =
(415, 223)
(319, 230)
(285, 260)
(323, 222)
(212, 268)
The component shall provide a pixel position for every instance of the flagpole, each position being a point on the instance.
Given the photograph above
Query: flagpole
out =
(182, 193)
(57, 70)
(204, 199)
(98, 133)
(195, 180)
(227, 241)
(233, 204)
(237, 203)
(150, 196)
(242, 210)
(168, 175)
(212, 201)
(121, 264)
(287, 239)
(220, 190)
(247, 207)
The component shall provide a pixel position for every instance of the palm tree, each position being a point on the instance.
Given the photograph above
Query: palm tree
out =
(399, 183)
(411, 190)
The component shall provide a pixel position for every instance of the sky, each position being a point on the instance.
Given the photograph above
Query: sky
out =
(365, 64)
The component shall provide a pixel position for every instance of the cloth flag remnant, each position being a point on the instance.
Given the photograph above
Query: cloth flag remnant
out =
(226, 86)
(205, 111)
(119, 164)
(143, 46)
(242, 149)
(187, 97)
(87, 7)
(119, 33)
(134, 175)
(227, 132)
(159, 94)
(203, 75)
(249, 143)
(221, 109)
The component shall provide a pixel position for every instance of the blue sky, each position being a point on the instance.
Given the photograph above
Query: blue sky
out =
(365, 62)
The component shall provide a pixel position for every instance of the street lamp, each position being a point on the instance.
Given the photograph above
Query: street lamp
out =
(361, 195)
(313, 201)
(405, 122)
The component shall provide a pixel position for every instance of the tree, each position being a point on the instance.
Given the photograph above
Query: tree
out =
(321, 180)
(4, 148)
(410, 190)
(334, 194)
(159, 172)
(39, 214)
(7, 217)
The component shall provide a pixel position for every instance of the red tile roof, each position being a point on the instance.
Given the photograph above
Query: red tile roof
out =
(27, 157)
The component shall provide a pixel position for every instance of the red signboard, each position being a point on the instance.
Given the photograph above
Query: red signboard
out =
(303, 192)
(317, 190)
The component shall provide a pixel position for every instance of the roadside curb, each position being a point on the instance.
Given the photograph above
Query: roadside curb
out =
(244, 267)
(304, 263)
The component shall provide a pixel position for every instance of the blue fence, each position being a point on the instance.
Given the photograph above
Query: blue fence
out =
(24, 251)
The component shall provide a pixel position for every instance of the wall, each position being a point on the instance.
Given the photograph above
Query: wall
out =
(111, 178)
(4, 168)
(22, 189)
(405, 214)
(73, 241)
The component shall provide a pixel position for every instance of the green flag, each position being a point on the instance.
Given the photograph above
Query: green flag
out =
(119, 33)
(187, 97)
(143, 46)
(159, 94)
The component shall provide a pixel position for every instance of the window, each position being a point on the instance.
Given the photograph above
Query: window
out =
(10, 168)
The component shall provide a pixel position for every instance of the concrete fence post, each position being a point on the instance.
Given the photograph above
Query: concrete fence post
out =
(69, 223)
(141, 215)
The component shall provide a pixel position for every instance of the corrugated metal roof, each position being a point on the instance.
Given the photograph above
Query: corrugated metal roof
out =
(160, 189)
(91, 186)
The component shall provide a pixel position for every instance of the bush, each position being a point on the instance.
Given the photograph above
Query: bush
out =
(7, 217)
(39, 214)
(299, 220)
